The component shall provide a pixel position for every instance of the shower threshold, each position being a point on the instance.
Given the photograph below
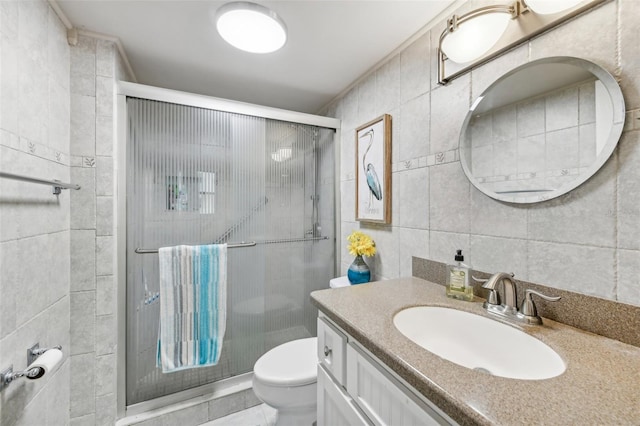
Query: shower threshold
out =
(183, 400)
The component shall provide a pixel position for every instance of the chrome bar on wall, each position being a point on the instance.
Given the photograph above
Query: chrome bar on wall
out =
(292, 240)
(230, 245)
(57, 185)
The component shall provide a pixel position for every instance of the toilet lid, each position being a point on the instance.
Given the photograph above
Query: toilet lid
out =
(293, 363)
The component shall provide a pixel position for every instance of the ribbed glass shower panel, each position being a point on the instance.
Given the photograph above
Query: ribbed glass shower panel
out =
(199, 176)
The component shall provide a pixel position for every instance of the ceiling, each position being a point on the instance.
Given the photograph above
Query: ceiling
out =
(173, 44)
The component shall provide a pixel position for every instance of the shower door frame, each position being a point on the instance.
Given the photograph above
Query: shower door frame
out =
(124, 90)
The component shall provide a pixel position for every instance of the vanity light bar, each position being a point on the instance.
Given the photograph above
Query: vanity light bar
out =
(529, 25)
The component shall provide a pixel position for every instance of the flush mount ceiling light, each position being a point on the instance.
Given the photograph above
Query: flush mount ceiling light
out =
(476, 37)
(251, 27)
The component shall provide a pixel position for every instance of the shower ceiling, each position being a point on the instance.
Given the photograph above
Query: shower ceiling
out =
(174, 44)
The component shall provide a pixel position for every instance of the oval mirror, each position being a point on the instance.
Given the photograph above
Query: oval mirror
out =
(542, 129)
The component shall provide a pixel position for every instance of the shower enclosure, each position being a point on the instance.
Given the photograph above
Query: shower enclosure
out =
(199, 171)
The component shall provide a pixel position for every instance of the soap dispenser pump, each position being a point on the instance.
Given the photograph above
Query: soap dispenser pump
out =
(458, 279)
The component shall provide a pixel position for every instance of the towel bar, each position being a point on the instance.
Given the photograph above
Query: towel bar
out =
(57, 185)
(230, 245)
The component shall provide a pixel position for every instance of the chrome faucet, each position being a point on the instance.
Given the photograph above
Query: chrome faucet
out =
(510, 305)
(528, 313)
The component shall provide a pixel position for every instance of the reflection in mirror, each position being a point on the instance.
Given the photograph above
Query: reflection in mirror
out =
(542, 129)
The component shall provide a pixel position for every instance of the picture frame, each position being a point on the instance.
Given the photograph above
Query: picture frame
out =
(373, 171)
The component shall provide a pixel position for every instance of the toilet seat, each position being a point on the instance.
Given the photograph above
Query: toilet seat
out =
(293, 363)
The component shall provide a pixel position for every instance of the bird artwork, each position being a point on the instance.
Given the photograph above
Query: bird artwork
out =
(375, 190)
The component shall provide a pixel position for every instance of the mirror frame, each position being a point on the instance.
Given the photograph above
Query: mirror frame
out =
(619, 111)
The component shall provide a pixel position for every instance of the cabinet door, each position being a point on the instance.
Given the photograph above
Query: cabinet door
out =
(335, 408)
(383, 398)
(331, 350)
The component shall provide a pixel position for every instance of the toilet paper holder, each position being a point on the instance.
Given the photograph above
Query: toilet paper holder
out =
(33, 353)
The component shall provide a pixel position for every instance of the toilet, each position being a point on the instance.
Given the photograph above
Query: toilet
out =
(285, 378)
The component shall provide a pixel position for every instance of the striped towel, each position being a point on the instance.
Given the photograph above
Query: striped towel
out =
(193, 306)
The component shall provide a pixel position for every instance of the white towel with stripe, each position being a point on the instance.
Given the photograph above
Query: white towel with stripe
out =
(193, 306)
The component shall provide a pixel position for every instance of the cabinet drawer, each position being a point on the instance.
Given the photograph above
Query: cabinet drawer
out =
(383, 398)
(335, 407)
(331, 350)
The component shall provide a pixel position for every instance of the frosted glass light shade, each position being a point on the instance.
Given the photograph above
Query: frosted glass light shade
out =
(251, 27)
(548, 7)
(475, 37)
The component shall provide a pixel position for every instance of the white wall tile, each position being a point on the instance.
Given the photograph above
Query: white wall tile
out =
(574, 38)
(628, 284)
(104, 96)
(105, 255)
(415, 69)
(9, 110)
(449, 199)
(583, 269)
(104, 176)
(105, 373)
(388, 86)
(385, 264)
(106, 410)
(105, 337)
(491, 255)
(104, 216)
(33, 19)
(366, 100)
(105, 58)
(104, 136)
(495, 218)
(83, 322)
(105, 295)
(443, 245)
(33, 99)
(413, 198)
(628, 209)
(58, 51)
(83, 125)
(411, 242)
(414, 128)
(583, 216)
(58, 117)
(83, 260)
(482, 77)
(449, 107)
(630, 52)
(83, 201)
(83, 401)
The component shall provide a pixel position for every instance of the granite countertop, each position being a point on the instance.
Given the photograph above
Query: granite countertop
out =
(601, 384)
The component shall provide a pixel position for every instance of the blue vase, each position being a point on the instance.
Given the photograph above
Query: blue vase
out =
(358, 272)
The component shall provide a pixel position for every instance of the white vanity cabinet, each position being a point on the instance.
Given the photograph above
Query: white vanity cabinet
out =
(355, 388)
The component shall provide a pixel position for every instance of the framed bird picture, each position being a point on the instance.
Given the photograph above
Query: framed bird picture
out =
(373, 171)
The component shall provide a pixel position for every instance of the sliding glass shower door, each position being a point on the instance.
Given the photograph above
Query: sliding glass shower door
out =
(200, 176)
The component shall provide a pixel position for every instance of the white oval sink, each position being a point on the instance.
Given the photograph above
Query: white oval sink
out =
(479, 343)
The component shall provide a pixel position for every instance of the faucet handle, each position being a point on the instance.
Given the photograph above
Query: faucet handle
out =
(528, 308)
(492, 298)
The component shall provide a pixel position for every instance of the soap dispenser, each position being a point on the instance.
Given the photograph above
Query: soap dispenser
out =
(459, 279)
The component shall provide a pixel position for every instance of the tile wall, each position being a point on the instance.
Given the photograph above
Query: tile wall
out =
(34, 223)
(57, 252)
(95, 67)
(587, 241)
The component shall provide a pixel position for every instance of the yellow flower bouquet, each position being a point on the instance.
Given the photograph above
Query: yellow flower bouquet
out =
(360, 244)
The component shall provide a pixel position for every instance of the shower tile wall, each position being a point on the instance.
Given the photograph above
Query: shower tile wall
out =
(585, 241)
(34, 223)
(95, 67)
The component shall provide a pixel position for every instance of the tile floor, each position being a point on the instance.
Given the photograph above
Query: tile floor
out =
(260, 415)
